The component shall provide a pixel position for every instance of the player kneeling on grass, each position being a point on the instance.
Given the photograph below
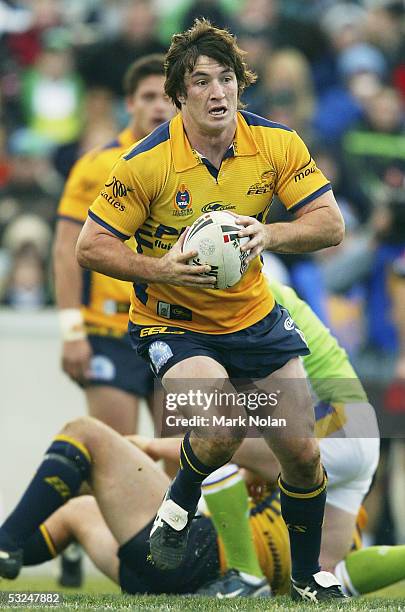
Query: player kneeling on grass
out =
(113, 526)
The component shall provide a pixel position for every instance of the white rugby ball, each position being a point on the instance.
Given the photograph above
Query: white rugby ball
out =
(215, 238)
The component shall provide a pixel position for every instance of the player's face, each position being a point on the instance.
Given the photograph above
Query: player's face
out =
(211, 95)
(149, 105)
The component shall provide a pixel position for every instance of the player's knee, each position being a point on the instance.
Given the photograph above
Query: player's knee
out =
(83, 429)
(221, 447)
(307, 458)
(78, 509)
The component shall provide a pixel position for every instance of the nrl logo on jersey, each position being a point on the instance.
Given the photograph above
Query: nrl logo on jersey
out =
(265, 185)
(182, 202)
(214, 206)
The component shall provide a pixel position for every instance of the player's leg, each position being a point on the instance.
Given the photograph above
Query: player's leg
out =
(65, 466)
(226, 497)
(350, 464)
(202, 452)
(114, 407)
(82, 519)
(79, 520)
(85, 450)
(118, 377)
(371, 569)
(118, 409)
(208, 450)
(337, 536)
(302, 480)
(122, 477)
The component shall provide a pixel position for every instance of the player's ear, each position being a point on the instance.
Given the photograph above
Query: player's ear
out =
(129, 104)
(181, 99)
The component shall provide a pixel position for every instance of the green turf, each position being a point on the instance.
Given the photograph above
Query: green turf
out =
(100, 594)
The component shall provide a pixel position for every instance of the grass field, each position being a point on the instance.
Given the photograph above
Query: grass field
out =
(101, 594)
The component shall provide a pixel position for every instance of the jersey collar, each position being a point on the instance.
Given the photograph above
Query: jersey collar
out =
(184, 157)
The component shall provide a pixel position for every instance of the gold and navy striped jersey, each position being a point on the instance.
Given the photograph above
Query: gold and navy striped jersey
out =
(272, 542)
(161, 186)
(105, 300)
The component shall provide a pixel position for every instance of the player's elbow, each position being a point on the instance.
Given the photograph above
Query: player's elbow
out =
(84, 251)
(336, 229)
(57, 250)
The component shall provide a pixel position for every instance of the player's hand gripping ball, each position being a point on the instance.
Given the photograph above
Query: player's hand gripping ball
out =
(215, 238)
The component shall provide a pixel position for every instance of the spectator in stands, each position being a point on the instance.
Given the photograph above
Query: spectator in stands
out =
(257, 44)
(362, 70)
(289, 91)
(384, 29)
(104, 63)
(389, 222)
(32, 186)
(373, 150)
(52, 92)
(286, 28)
(25, 43)
(100, 126)
(27, 240)
(210, 9)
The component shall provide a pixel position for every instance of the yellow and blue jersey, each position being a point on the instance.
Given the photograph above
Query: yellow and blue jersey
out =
(105, 300)
(161, 186)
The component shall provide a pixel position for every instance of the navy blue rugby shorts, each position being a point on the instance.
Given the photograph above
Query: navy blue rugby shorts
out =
(201, 563)
(251, 353)
(114, 364)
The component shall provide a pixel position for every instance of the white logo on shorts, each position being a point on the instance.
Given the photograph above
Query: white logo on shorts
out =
(159, 354)
(102, 368)
(289, 324)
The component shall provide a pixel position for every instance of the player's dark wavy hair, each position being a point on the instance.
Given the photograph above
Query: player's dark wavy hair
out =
(204, 39)
(148, 65)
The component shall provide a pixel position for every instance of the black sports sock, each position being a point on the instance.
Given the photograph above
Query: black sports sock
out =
(39, 547)
(302, 511)
(185, 489)
(65, 466)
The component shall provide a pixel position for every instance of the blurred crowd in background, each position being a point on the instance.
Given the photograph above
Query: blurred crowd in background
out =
(332, 70)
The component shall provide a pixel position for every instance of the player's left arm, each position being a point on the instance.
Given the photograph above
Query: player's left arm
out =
(307, 194)
(317, 225)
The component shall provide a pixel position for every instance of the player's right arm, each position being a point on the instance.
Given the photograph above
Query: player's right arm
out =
(121, 208)
(72, 211)
(76, 349)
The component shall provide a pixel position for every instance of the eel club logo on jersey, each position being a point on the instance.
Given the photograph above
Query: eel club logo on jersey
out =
(265, 185)
(182, 202)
